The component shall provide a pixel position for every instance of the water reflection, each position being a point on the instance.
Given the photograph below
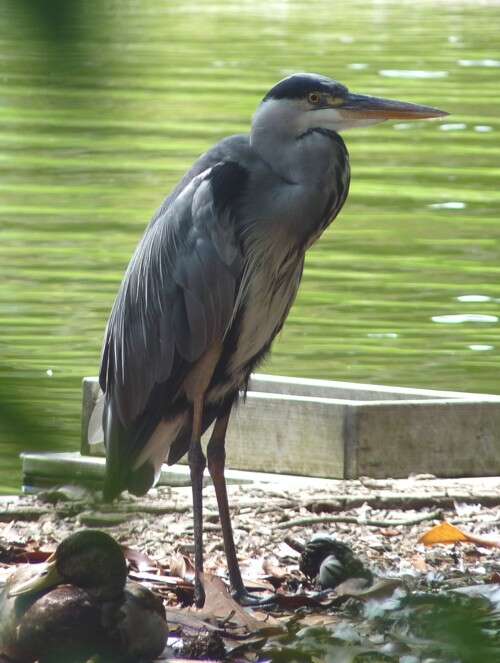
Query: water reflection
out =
(473, 298)
(459, 318)
(451, 204)
(453, 126)
(412, 73)
(486, 62)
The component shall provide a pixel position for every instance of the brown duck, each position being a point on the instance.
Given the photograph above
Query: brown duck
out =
(79, 604)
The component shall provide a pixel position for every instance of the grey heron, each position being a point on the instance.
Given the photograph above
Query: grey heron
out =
(212, 282)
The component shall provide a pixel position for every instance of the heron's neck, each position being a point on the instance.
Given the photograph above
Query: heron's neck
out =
(288, 148)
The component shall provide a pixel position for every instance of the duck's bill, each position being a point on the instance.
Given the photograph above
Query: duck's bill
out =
(376, 108)
(45, 576)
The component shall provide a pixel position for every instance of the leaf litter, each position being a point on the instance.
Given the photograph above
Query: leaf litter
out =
(402, 581)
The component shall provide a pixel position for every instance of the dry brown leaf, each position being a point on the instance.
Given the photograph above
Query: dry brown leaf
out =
(171, 581)
(419, 563)
(318, 619)
(484, 541)
(448, 533)
(270, 566)
(262, 585)
(388, 532)
(185, 618)
(220, 604)
(299, 600)
(351, 587)
(182, 567)
(139, 560)
(356, 587)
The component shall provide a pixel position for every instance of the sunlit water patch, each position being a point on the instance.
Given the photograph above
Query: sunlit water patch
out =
(460, 318)
(412, 73)
(485, 62)
(474, 299)
(450, 204)
(453, 126)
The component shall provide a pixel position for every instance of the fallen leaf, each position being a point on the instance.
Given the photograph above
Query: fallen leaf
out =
(19, 554)
(182, 567)
(448, 533)
(171, 581)
(318, 619)
(419, 563)
(351, 587)
(185, 618)
(493, 542)
(356, 587)
(387, 532)
(220, 604)
(139, 560)
(270, 566)
(299, 600)
(443, 533)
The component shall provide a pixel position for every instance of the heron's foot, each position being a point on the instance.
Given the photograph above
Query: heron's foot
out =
(249, 600)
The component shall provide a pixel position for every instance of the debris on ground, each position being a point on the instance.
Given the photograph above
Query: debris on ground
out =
(406, 571)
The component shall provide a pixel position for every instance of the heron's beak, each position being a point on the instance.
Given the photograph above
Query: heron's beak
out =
(45, 576)
(363, 107)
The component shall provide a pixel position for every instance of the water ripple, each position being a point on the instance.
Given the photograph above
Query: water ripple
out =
(412, 73)
(452, 126)
(459, 318)
(452, 204)
(473, 298)
(486, 62)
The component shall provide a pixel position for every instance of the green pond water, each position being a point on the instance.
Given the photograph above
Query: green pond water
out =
(93, 135)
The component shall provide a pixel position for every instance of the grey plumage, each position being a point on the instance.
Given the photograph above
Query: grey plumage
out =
(217, 271)
(220, 259)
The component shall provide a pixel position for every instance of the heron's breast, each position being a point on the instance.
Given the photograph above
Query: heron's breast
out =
(265, 302)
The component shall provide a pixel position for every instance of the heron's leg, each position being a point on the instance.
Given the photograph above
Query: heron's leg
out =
(197, 466)
(195, 387)
(216, 456)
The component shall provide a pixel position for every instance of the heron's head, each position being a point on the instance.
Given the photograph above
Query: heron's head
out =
(310, 101)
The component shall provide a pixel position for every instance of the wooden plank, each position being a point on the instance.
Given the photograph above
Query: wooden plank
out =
(343, 430)
(445, 438)
(288, 435)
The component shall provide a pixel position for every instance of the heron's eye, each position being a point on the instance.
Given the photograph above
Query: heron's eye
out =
(314, 98)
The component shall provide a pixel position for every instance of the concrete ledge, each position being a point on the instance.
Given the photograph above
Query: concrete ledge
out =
(344, 430)
(48, 469)
(52, 468)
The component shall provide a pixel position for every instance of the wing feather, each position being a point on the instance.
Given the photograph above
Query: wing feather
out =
(178, 293)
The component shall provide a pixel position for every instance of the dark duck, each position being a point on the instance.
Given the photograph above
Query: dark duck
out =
(79, 604)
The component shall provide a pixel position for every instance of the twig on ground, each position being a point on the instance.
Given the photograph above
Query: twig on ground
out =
(400, 501)
(314, 520)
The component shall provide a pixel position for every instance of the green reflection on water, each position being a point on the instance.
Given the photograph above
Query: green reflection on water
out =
(85, 161)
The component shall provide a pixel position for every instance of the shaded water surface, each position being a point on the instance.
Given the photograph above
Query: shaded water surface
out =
(403, 289)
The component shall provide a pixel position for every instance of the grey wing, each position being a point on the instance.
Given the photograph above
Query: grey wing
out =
(178, 293)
